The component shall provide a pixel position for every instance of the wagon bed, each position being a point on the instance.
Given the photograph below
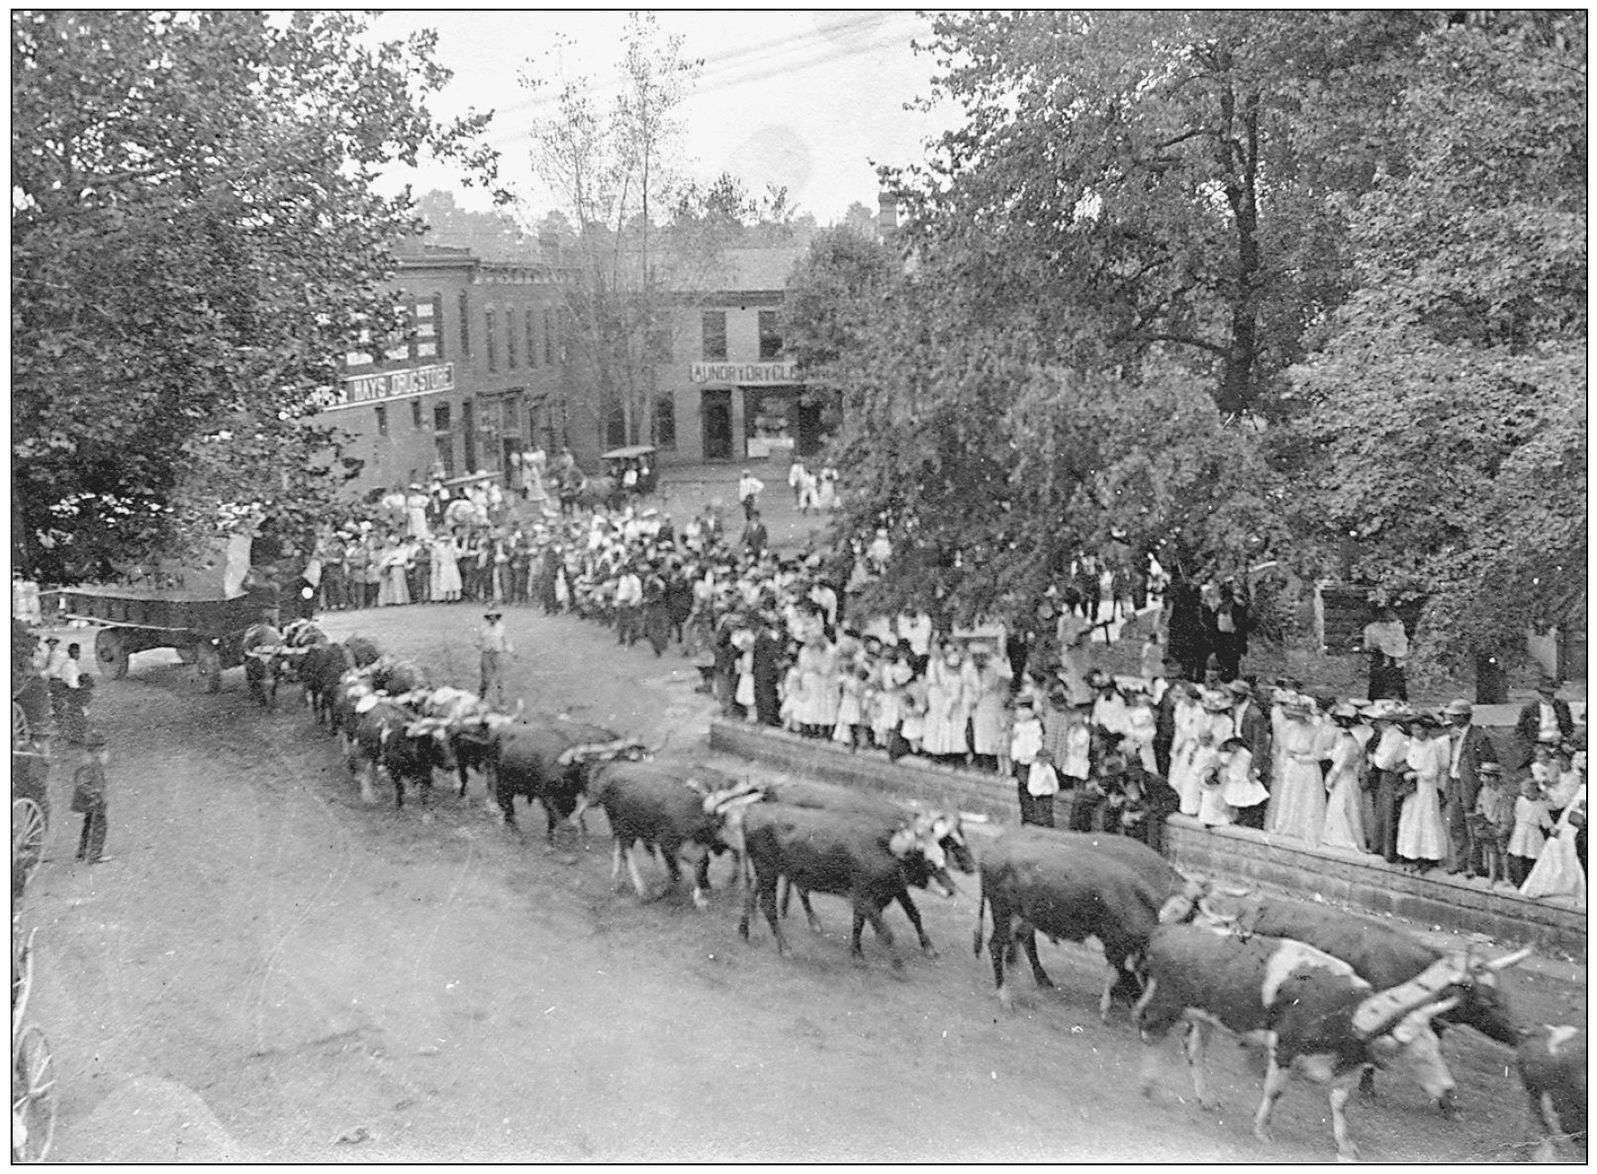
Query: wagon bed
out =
(205, 630)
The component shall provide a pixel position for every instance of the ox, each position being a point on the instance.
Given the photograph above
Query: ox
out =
(553, 762)
(387, 737)
(319, 671)
(471, 726)
(829, 852)
(1382, 956)
(1552, 1066)
(1315, 1016)
(676, 819)
(885, 816)
(1072, 887)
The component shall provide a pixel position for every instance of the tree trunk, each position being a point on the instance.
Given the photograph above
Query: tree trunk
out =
(1491, 681)
(1236, 390)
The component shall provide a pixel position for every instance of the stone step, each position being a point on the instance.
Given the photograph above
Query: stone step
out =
(1358, 880)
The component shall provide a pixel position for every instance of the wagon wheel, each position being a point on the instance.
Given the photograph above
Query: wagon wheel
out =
(209, 662)
(28, 827)
(32, 1097)
(21, 727)
(112, 653)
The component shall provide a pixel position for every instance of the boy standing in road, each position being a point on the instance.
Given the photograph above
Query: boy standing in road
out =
(88, 797)
(494, 644)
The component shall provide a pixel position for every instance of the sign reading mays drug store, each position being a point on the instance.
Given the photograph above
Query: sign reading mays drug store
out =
(387, 385)
(754, 373)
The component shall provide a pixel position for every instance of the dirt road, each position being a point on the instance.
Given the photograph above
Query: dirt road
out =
(428, 987)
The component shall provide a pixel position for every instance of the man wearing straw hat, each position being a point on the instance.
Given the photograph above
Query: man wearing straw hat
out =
(494, 644)
(1388, 758)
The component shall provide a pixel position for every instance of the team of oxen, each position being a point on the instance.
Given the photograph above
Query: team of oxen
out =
(1326, 995)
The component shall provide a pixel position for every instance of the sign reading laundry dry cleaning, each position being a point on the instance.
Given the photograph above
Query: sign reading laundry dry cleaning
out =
(743, 372)
(386, 385)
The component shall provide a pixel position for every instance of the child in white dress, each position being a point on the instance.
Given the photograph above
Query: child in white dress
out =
(1532, 822)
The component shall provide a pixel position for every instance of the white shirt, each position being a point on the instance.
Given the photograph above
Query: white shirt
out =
(70, 673)
(749, 486)
(1024, 741)
(629, 590)
(1548, 730)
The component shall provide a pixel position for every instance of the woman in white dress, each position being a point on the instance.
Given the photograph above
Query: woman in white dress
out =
(816, 708)
(989, 721)
(1213, 811)
(1421, 835)
(392, 589)
(1300, 793)
(826, 499)
(1344, 811)
(1189, 719)
(892, 674)
(947, 707)
(445, 570)
(1557, 872)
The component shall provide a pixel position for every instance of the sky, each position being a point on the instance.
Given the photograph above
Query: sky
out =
(801, 99)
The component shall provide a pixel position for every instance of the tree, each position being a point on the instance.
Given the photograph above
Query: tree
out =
(196, 243)
(612, 172)
(1134, 181)
(1447, 404)
(860, 219)
(494, 235)
(992, 464)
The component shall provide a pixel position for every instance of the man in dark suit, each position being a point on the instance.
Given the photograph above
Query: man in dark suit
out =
(1253, 727)
(1546, 720)
(1470, 748)
(767, 671)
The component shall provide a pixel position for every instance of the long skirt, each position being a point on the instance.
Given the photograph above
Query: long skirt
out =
(1344, 816)
(1300, 801)
(1420, 833)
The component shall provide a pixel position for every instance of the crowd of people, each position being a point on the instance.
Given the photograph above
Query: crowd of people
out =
(1190, 734)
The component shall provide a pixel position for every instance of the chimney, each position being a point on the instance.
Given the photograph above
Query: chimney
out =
(549, 245)
(886, 215)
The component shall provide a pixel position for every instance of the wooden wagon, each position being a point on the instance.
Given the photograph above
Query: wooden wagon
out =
(205, 631)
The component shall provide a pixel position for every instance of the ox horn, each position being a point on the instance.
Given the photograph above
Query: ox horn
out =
(1508, 960)
(1431, 1011)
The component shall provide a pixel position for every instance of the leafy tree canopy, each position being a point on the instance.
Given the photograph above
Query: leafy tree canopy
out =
(1447, 406)
(196, 243)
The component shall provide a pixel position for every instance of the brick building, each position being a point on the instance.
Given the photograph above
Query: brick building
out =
(726, 391)
(483, 373)
(489, 368)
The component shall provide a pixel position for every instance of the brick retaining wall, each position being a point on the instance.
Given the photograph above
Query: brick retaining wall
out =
(1362, 881)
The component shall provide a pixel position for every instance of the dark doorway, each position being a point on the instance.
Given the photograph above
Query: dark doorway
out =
(806, 428)
(717, 409)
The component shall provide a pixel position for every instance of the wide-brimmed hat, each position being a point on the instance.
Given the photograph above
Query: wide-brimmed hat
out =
(1386, 709)
(1489, 768)
(1426, 721)
(1240, 687)
(1458, 707)
(1547, 684)
(1293, 704)
(1345, 709)
(493, 615)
